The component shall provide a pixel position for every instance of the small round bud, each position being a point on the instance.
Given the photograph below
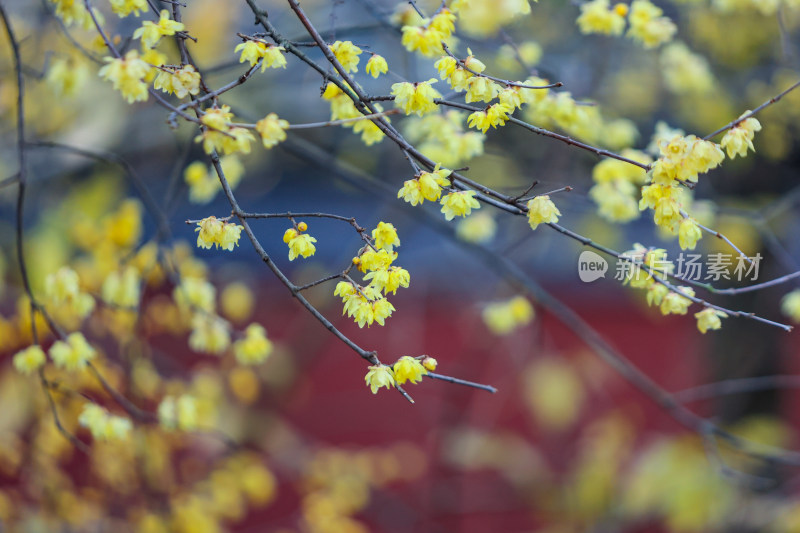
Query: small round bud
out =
(429, 363)
(621, 9)
(302, 226)
(356, 260)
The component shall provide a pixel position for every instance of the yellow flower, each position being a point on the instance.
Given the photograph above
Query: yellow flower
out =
(123, 8)
(740, 137)
(385, 236)
(431, 183)
(218, 233)
(379, 376)
(429, 363)
(790, 305)
(411, 192)
(194, 294)
(151, 32)
(647, 24)
(415, 97)
(254, 348)
(426, 41)
(299, 244)
(127, 75)
(480, 89)
(182, 82)
(178, 413)
(253, 51)
(460, 203)
(72, 354)
(347, 54)
(376, 66)
(408, 369)
(677, 303)
(29, 360)
(102, 425)
(493, 116)
(210, 334)
(123, 289)
(219, 135)
(389, 279)
(504, 317)
(688, 234)
(597, 17)
(376, 260)
(708, 319)
(272, 130)
(542, 210)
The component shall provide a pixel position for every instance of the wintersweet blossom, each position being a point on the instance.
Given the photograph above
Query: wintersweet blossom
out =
(385, 236)
(493, 116)
(459, 203)
(408, 368)
(300, 244)
(254, 51)
(127, 75)
(416, 97)
(180, 82)
(29, 360)
(218, 233)
(688, 234)
(151, 32)
(103, 425)
(677, 303)
(254, 348)
(740, 137)
(379, 376)
(347, 54)
(272, 130)
(376, 66)
(708, 319)
(542, 210)
(598, 17)
(74, 353)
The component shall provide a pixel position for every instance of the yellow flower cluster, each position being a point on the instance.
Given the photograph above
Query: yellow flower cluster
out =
(684, 72)
(347, 54)
(219, 135)
(254, 51)
(740, 137)
(415, 97)
(504, 317)
(426, 186)
(74, 353)
(491, 117)
(151, 32)
(122, 289)
(682, 159)
(254, 348)
(617, 185)
(178, 81)
(597, 16)
(210, 334)
(218, 233)
(405, 369)
(62, 291)
(178, 413)
(542, 210)
(127, 74)
(300, 244)
(272, 130)
(102, 424)
(368, 304)
(427, 37)
(648, 26)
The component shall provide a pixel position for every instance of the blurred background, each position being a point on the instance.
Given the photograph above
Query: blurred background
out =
(298, 443)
